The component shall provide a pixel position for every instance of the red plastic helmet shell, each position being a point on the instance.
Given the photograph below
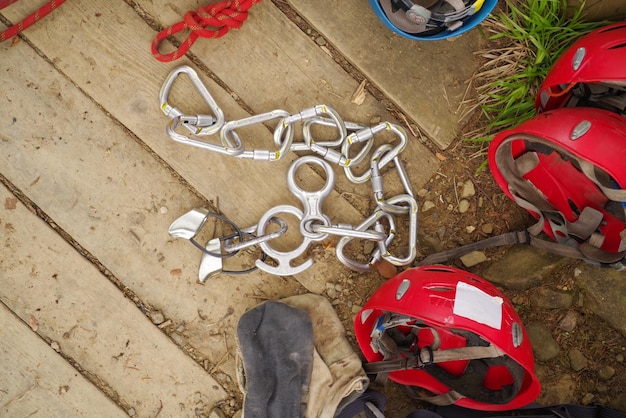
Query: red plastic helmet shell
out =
(436, 296)
(596, 57)
(595, 135)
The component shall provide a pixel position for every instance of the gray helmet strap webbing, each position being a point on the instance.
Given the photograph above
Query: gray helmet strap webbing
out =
(479, 353)
(584, 228)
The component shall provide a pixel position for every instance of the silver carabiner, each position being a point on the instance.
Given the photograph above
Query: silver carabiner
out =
(366, 225)
(323, 148)
(360, 156)
(312, 201)
(211, 266)
(346, 230)
(282, 228)
(412, 212)
(199, 124)
(228, 135)
(377, 181)
(310, 113)
(232, 148)
(308, 136)
(367, 135)
(329, 154)
(284, 259)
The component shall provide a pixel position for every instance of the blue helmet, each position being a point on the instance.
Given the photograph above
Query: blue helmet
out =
(431, 19)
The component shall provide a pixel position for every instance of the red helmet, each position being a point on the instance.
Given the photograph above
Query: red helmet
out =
(451, 333)
(566, 167)
(590, 73)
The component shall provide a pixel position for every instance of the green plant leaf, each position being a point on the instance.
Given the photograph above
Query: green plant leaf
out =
(535, 33)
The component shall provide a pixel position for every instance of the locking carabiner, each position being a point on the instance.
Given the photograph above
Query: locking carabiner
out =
(231, 148)
(326, 114)
(367, 135)
(373, 220)
(412, 244)
(198, 124)
(377, 181)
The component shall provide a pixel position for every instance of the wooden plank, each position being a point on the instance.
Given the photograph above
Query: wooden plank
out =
(114, 198)
(426, 79)
(285, 70)
(92, 322)
(36, 380)
(97, 45)
(594, 11)
(113, 195)
(107, 81)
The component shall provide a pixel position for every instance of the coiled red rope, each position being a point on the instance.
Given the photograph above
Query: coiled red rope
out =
(220, 17)
(34, 17)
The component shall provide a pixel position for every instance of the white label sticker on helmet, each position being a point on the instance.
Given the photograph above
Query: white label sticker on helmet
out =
(472, 303)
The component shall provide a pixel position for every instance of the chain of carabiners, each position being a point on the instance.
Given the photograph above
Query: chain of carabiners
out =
(315, 226)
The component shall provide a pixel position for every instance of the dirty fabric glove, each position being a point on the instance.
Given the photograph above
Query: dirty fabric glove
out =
(338, 377)
(276, 347)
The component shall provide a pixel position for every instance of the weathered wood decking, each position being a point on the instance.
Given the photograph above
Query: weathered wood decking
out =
(83, 149)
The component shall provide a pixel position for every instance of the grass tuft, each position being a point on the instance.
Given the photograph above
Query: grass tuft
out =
(530, 36)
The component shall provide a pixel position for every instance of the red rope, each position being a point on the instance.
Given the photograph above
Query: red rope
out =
(34, 17)
(222, 17)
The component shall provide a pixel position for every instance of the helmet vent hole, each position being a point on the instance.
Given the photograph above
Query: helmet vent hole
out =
(612, 28)
(439, 288)
(573, 206)
(472, 279)
(616, 209)
(605, 179)
(556, 221)
(438, 269)
(618, 46)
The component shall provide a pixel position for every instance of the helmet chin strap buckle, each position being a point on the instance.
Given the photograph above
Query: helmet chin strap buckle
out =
(425, 362)
(559, 227)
